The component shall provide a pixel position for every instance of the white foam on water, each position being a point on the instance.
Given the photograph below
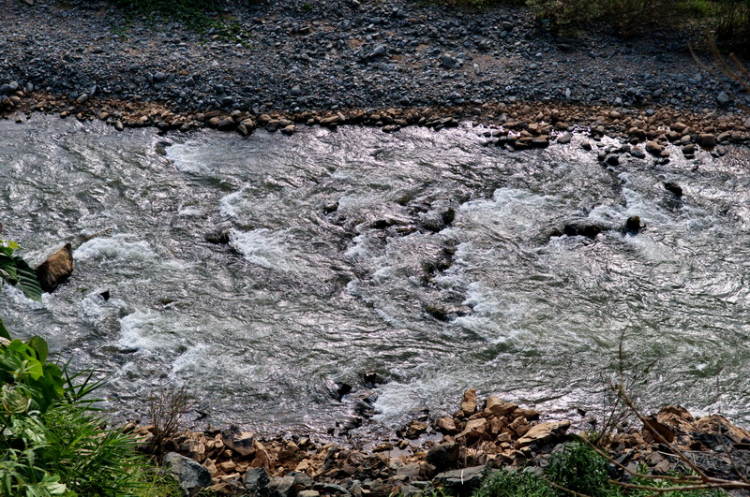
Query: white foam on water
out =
(361, 248)
(231, 205)
(185, 161)
(263, 247)
(510, 210)
(144, 331)
(190, 212)
(122, 247)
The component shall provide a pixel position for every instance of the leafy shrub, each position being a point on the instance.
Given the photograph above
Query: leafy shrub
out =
(52, 441)
(579, 468)
(510, 483)
(733, 23)
(15, 271)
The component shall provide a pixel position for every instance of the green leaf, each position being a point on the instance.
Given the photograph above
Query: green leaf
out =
(3, 331)
(13, 401)
(8, 271)
(40, 346)
(27, 280)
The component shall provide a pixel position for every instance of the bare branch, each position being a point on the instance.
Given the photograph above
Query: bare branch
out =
(663, 440)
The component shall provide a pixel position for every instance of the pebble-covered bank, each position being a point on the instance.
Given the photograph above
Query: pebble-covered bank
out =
(388, 63)
(450, 452)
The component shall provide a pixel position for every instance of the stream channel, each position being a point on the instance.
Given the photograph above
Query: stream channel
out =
(423, 257)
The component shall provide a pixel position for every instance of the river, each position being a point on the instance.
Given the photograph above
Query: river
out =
(423, 257)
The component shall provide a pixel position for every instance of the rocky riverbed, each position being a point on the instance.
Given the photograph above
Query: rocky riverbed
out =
(450, 452)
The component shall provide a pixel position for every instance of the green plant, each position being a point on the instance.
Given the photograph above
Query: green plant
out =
(15, 271)
(511, 483)
(578, 467)
(53, 440)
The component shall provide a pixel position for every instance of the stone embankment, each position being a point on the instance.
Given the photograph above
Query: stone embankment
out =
(451, 452)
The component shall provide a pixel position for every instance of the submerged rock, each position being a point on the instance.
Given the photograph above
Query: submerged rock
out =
(633, 225)
(584, 227)
(56, 269)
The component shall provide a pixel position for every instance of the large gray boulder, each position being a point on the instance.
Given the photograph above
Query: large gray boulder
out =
(191, 476)
(461, 481)
(256, 481)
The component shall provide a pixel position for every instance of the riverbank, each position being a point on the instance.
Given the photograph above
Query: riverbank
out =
(389, 64)
(453, 453)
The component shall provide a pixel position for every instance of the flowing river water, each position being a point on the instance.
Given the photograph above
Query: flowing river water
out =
(424, 257)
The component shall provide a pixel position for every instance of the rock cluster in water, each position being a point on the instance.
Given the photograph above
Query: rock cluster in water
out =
(450, 452)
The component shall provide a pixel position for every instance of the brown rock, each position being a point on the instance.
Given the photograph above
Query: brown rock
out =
(475, 428)
(707, 140)
(262, 459)
(497, 424)
(469, 402)
(719, 424)
(498, 407)
(519, 426)
(679, 127)
(543, 433)
(446, 425)
(329, 121)
(56, 269)
(637, 133)
(654, 148)
(415, 429)
(240, 442)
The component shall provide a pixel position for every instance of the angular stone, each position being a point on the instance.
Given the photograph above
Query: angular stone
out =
(444, 455)
(475, 428)
(469, 402)
(56, 269)
(498, 407)
(240, 442)
(281, 486)
(262, 459)
(415, 429)
(256, 480)
(543, 433)
(190, 475)
(447, 425)
(461, 481)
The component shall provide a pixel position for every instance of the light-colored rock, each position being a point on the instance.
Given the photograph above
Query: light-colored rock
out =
(475, 428)
(498, 407)
(469, 402)
(415, 429)
(240, 442)
(543, 433)
(447, 425)
(262, 459)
